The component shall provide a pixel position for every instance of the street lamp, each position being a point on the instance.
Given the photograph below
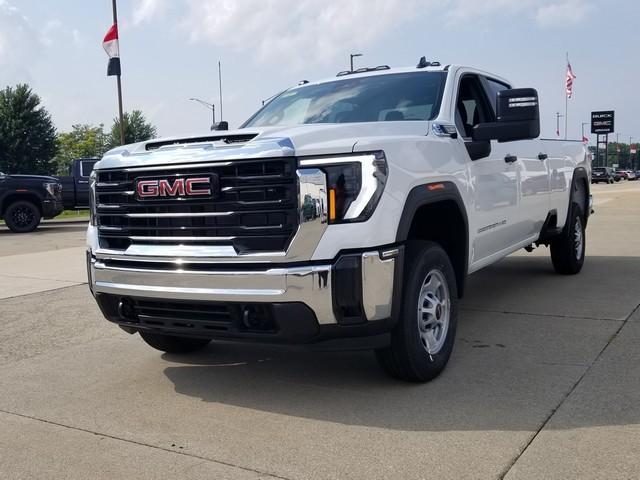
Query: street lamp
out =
(352, 56)
(210, 106)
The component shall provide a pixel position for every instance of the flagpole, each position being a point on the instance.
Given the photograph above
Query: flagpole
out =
(120, 112)
(566, 104)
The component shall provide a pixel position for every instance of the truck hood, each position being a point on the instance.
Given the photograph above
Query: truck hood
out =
(268, 142)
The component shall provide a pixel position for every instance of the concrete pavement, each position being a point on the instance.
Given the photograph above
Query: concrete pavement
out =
(544, 382)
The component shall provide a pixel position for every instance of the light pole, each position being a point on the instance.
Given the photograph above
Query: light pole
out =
(631, 163)
(558, 117)
(210, 106)
(352, 56)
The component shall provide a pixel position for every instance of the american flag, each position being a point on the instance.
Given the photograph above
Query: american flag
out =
(570, 78)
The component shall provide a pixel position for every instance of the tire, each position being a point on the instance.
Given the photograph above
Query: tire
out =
(568, 248)
(172, 344)
(22, 217)
(407, 357)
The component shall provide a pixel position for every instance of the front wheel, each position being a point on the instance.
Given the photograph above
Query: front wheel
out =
(22, 217)
(568, 248)
(422, 340)
(172, 344)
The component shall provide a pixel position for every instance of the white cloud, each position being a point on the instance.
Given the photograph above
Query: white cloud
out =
(50, 29)
(18, 41)
(547, 13)
(568, 12)
(296, 31)
(146, 10)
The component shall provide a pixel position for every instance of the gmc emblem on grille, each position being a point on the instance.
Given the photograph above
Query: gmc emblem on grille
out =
(179, 187)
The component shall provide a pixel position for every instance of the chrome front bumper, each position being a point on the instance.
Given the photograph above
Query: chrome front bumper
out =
(310, 284)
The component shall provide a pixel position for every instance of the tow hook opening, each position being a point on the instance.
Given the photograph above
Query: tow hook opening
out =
(127, 310)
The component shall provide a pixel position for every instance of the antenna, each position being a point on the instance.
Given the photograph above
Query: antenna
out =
(220, 84)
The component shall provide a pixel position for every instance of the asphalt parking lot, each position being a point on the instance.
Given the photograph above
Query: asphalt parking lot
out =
(544, 381)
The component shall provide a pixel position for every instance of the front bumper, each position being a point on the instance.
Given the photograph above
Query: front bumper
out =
(349, 296)
(51, 208)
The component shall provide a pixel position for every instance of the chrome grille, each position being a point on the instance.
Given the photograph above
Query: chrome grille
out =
(255, 209)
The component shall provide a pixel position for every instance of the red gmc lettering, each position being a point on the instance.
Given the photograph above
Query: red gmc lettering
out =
(165, 189)
(191, 186)
(147, 188)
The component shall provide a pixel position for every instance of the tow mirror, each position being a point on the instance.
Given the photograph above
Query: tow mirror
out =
(223, 125)
(518, 117)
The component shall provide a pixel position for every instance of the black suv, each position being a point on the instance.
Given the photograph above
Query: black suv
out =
(602, 174)
(26, 199)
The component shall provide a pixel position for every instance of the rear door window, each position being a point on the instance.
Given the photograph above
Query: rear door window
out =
(86, 167)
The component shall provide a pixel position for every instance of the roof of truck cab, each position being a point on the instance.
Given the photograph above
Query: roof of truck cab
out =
(391, 71)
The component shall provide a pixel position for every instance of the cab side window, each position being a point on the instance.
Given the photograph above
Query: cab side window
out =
(472, 106)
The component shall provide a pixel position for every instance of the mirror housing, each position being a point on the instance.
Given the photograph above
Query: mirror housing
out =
(222, 125)
(518, 117)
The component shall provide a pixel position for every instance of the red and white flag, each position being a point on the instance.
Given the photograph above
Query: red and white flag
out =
(112, 47)
(570, 78)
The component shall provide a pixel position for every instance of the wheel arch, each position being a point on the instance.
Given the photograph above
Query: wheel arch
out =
(20, 196)
(580, 191)
(440, 204)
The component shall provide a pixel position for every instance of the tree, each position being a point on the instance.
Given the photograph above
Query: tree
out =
(83, 141)
(27, 134)
(136, 129)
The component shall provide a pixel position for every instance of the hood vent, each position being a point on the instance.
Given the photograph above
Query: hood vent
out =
(228, 139)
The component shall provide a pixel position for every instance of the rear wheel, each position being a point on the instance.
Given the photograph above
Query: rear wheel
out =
(422, 341)
(568, 248)
(22, 217)
(172, 344)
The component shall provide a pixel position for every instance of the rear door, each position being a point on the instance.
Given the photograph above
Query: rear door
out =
(532, 171)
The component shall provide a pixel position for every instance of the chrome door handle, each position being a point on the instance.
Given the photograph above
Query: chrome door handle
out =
(83, 181)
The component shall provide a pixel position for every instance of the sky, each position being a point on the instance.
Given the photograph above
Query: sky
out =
(170, 51)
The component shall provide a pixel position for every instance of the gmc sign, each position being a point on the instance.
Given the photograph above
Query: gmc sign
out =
(147, 189)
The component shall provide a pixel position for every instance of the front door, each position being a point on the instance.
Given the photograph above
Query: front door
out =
(532, 168)
(493, 226)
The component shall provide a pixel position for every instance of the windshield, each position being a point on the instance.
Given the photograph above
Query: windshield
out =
(379, 98)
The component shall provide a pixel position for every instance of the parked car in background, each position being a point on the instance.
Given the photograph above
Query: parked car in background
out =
(627, 174)
(75, 186)
(616, 176)
(602, 174)
(26, 199)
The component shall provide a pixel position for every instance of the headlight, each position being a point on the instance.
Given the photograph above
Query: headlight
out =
(354, 184)
(52, 188)
(92, 197)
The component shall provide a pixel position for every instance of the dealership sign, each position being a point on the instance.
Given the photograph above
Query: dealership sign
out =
(602, 122)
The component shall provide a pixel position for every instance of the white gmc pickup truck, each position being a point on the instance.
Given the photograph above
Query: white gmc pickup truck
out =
(345, 213)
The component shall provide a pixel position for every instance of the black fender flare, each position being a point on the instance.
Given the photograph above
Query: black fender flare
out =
(428, 194)
(580, 175)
